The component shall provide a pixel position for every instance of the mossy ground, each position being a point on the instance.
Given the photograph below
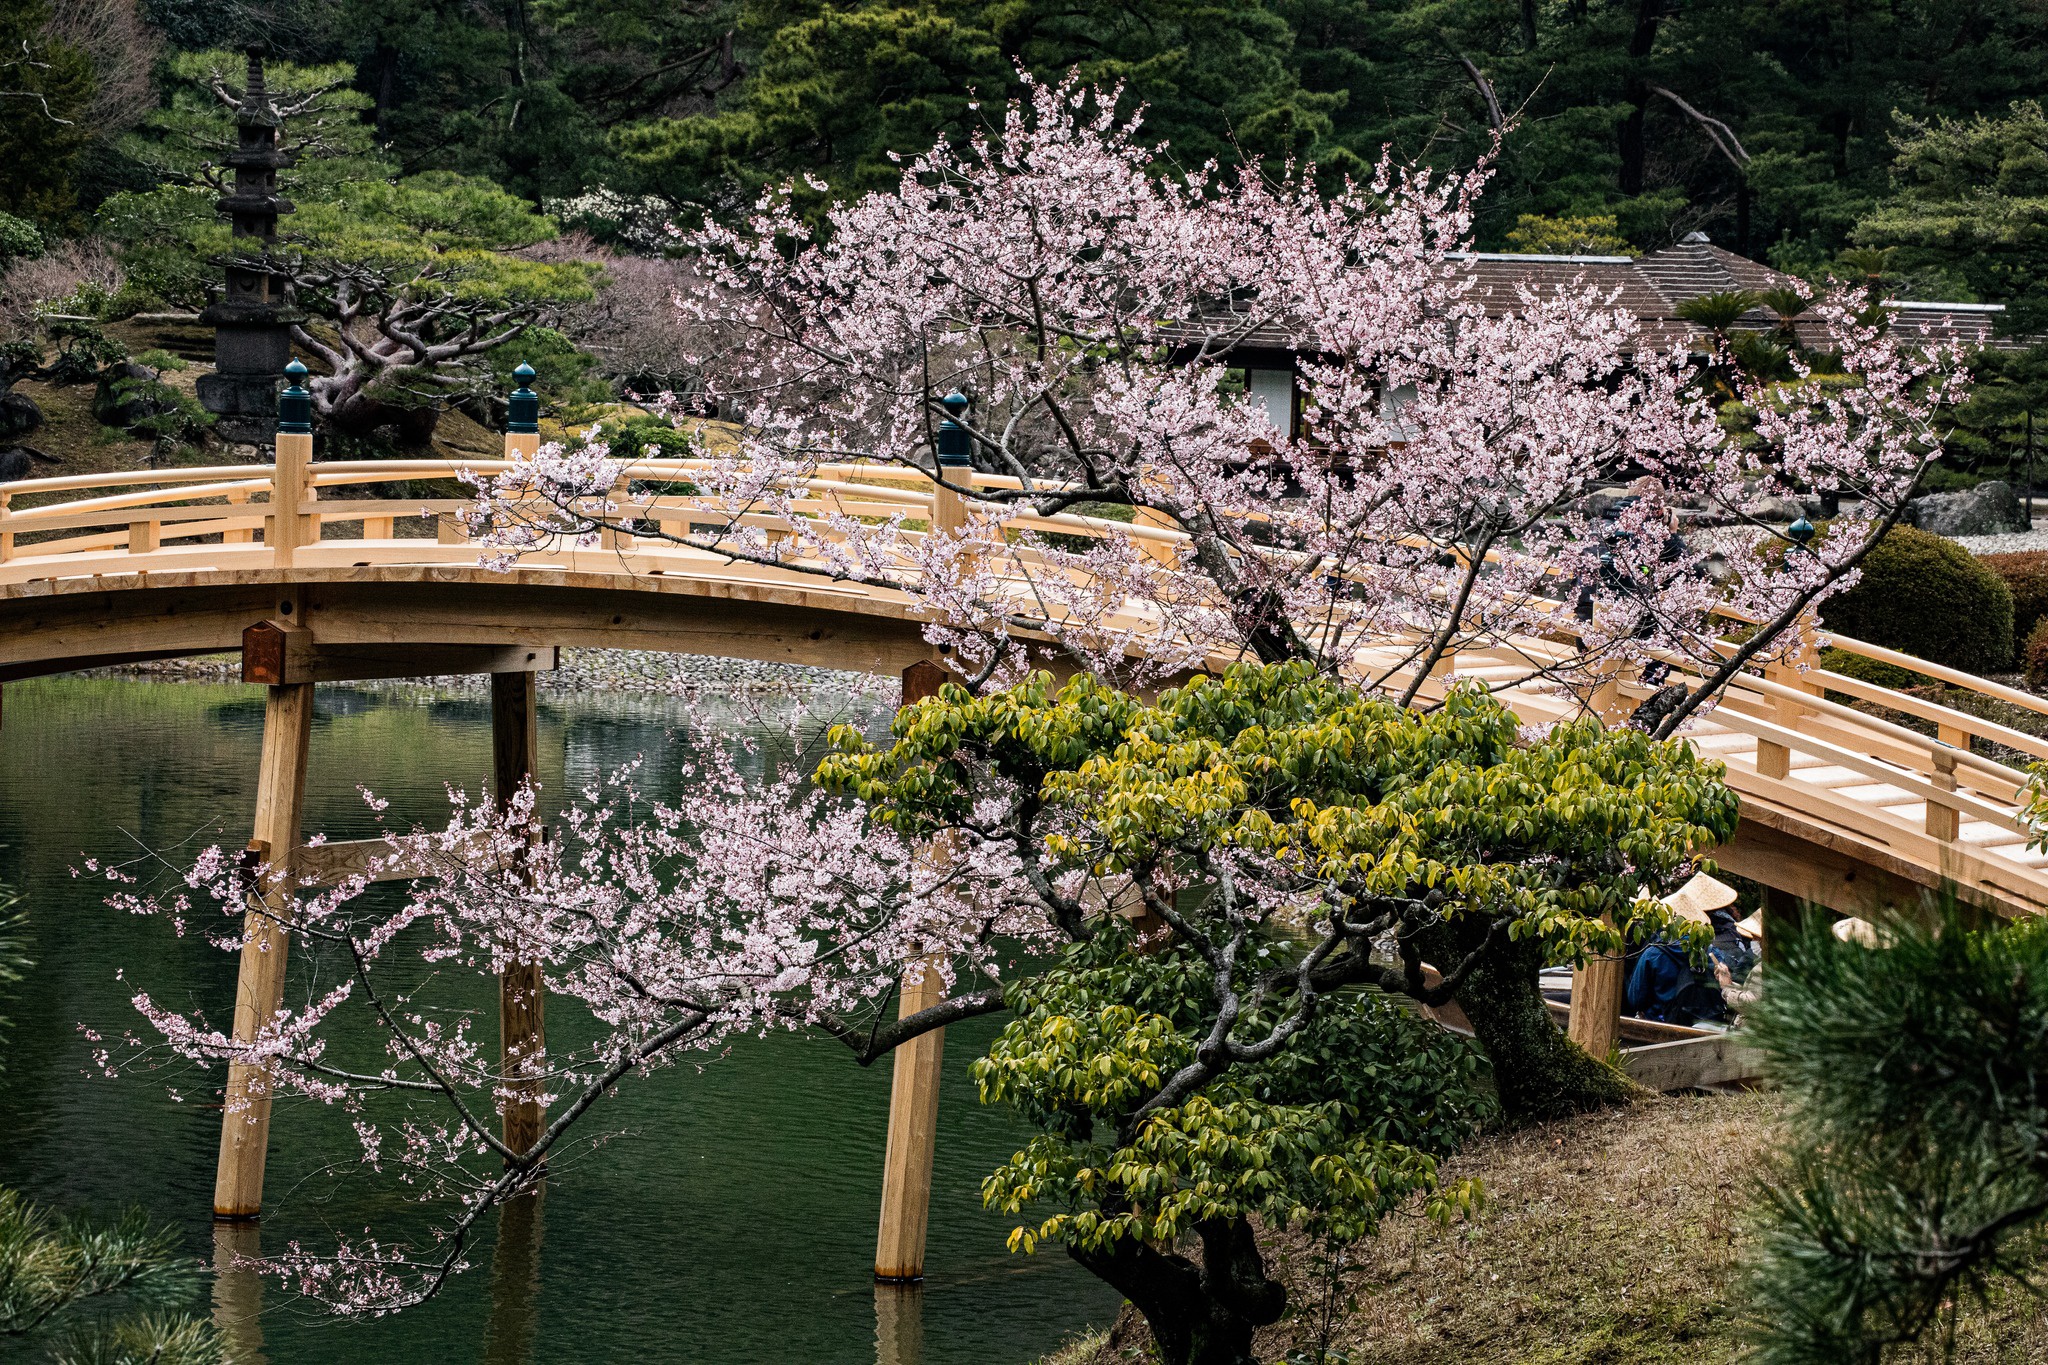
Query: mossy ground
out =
(1609, 1239)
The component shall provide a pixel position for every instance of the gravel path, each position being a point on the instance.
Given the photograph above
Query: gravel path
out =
(2036, 539)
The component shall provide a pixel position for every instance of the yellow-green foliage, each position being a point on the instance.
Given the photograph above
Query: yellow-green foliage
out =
(1359, 795)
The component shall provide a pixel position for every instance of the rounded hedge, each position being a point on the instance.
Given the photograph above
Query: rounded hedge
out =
(2026, 573)
(1927, 596)
(2034, 655)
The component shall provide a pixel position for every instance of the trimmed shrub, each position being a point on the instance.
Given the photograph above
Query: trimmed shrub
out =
(1923, 595)
(2034, 656)
(1870, 670)
(2026, 574)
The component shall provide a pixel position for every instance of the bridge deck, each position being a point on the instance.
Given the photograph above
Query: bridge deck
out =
(1841, 807)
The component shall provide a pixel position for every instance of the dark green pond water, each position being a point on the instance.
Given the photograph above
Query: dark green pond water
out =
(732, 1221)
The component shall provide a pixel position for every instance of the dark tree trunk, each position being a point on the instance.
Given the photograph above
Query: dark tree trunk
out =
(1540, 1073)
(1649, 13)
(1199, 1315)
(359, 414)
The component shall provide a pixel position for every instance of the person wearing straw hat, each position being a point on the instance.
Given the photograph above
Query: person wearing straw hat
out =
(1664, 985)
(1740, 994)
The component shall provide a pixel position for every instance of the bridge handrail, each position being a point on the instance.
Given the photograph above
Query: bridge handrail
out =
(118, 502)
(66, 483)
(1964, 758)
(1955, 677)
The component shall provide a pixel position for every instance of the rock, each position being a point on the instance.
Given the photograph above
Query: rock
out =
(20, 463)
(19, 415)
(1777, 511)
(137, 407)
(1989, 509)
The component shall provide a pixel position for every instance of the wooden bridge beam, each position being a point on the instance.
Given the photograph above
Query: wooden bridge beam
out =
(259, 985)
(276, 652)
(913, 1093)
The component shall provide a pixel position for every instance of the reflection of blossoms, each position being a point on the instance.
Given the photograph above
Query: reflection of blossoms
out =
(764, 904)
(1432, 502)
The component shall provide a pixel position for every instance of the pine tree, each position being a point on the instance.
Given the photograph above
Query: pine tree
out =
(1916, 1164)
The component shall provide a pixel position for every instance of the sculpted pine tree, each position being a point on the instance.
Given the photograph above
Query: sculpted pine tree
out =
(1431, 497)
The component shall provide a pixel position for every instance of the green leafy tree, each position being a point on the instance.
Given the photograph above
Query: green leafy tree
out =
(839, 89)
(1970, 203)
(1240, 1075)
(1914, 1173)
(409, 281)
(46, 87)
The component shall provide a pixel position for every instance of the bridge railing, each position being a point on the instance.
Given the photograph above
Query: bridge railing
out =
(1786, 720)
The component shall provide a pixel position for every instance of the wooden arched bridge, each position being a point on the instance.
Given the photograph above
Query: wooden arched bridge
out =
(295, 564)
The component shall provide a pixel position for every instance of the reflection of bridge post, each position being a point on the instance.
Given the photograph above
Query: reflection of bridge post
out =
(899, 1324)
(913, 1093)
(259, 987)
(515, 1281)
(237, 1294)
(521, 1018)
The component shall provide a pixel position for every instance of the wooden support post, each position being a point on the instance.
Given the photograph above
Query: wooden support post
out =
(380, 528)
(522, 1021)
(1775, 760)
(1784, 917)
(610, 536)
(259, 986)
(447, 530)
(142, 537)
(6, 536)
(1599, 989)
(238, 535)
(286, 530)
(1943, 822)
(913, 1093)
(913, 1134)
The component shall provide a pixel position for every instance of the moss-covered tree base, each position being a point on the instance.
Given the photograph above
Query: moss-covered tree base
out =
(1540, 1073)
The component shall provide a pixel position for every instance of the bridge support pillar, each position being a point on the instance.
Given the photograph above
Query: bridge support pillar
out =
(259, 986)
(522, 1024)
(913, 1093)
(913, 1135)
(1598, 990)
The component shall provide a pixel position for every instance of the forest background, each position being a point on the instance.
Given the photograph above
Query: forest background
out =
(1787, 130)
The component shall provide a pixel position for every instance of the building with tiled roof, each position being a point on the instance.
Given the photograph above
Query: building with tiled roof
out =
(1651, 286)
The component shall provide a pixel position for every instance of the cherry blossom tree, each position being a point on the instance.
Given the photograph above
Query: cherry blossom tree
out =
(1061, 301)
(766, 904)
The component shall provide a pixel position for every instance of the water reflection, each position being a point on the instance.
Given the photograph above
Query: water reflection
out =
(899, 1324)
(238, 1294)
(729, 1220)
(515, 1281)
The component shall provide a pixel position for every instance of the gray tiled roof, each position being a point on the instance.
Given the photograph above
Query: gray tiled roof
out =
(1652, 286)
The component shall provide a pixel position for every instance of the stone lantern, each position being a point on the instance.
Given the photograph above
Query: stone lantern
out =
(251, 321)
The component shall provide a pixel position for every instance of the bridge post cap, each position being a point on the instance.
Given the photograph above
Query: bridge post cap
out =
(956, 447)
(522, 409)
(1800, 530)
(295, 404)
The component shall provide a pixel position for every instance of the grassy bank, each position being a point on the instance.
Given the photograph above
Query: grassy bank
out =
(1614, 1239)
